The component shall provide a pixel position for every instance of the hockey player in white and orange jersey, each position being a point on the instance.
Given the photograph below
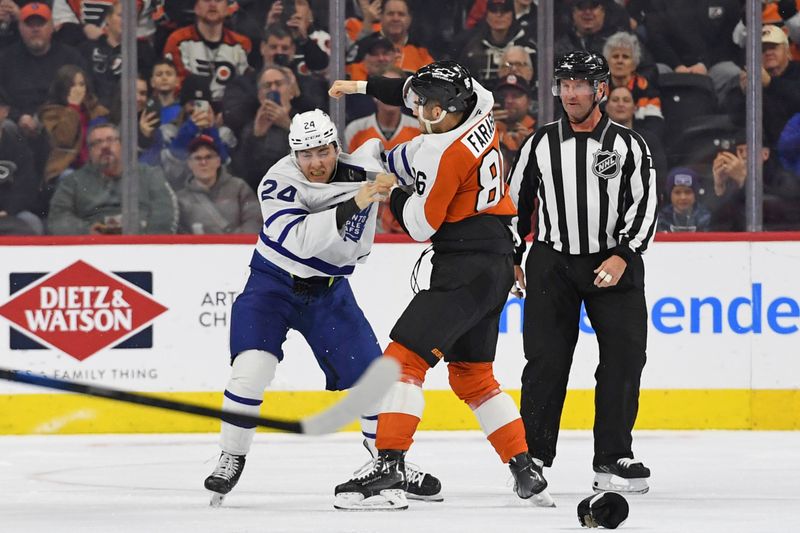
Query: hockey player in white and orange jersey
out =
(454, 195)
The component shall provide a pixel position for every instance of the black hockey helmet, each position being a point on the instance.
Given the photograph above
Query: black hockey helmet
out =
(446, 82)
(580, 65)
(607, 509)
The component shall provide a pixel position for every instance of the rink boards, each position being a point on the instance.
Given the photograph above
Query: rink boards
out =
(152, 315)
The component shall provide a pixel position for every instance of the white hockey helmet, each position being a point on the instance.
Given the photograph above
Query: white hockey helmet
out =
(310, 130)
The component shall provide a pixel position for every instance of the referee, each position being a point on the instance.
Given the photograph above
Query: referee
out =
(589, 183)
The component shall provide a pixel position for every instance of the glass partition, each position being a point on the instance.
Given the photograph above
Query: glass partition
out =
(217, 82)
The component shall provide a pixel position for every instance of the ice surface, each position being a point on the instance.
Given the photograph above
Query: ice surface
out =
(705, 481)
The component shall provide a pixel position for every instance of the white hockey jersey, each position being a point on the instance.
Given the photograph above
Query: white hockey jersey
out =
(300, 234)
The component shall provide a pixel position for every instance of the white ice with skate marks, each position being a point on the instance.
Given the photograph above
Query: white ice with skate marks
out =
(712, 482)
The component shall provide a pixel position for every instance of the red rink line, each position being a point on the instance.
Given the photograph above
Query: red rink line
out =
(83, 240)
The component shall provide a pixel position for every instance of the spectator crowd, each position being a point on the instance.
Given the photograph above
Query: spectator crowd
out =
(219, 81)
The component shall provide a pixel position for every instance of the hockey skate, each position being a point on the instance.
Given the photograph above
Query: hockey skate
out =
(224, 477)
(529, 481)
(421, 485)
(381, 485)
(626, 476)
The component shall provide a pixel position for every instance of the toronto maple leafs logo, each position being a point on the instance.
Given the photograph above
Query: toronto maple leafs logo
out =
(354, 227)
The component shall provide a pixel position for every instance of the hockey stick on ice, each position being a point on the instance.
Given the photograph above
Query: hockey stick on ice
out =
(369, 388)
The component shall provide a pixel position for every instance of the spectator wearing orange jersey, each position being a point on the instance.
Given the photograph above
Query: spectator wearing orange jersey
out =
(395, 23)
(514, 123)
(374, 53)
(378, 55)
(392, 128)
(623, 53)
(357, 28)
(207, 48)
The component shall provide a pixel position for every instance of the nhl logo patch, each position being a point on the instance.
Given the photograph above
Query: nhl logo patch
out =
(606, 164)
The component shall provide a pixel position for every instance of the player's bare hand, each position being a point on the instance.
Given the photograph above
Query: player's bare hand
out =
(518, 289)
(386, 180)
(343, 87)
(610, 271)
(369, 193)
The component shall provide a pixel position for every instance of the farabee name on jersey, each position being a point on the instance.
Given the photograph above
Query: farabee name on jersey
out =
(480, 136)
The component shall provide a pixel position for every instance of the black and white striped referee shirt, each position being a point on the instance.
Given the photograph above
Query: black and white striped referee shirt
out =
(596, 190)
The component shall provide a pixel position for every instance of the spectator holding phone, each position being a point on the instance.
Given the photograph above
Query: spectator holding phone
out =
(162, 107)
(781, 205)
(171, 142)
(297, 19)
(264, 140)
(241, 102)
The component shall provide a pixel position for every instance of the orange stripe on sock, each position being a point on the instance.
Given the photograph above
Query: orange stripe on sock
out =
(509, 440)
(396, 431)
(474, 383)
(413, 366)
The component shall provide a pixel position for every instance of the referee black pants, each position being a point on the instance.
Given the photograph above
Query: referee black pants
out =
(557, 283)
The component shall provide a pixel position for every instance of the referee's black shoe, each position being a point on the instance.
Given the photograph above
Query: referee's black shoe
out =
(627, 476)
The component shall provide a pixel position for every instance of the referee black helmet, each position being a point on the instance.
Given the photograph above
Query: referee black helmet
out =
(580, 65)
(445, 82)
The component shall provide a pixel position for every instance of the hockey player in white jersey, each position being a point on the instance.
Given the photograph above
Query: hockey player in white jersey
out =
(319, 221)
